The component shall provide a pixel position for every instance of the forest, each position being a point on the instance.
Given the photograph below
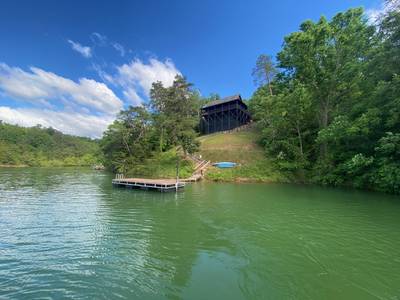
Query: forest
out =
(45, 147)
(329, 107)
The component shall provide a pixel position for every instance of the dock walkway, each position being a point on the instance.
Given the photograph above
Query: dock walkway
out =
(162, 185)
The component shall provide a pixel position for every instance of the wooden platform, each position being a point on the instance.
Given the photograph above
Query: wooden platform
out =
(162, 185)
(193, 178)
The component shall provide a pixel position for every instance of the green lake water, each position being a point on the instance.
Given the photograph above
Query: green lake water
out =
(67, 233)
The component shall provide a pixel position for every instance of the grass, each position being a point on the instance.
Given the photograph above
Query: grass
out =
(243, 148)
(163, 165)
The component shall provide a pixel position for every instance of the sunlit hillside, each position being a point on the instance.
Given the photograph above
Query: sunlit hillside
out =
(243, 148)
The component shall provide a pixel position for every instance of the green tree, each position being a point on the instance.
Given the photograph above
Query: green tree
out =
(264, 71)
(175, 111)
(285, 120)
(327, 57)
(128, 140)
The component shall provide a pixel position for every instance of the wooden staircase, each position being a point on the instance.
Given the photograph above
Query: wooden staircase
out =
(199, 169)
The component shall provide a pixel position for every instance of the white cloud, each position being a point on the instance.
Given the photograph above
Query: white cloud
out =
(137, 77)
(119, 48)
(84, 50)
(102, 74)
(373, 15)
(103, 41)
(67, 122)
(41, 87)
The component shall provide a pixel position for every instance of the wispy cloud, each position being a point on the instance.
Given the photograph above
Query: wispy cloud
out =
(83, 50)
(119, 48)
(99, 69)
(98, 39)
(103, 41)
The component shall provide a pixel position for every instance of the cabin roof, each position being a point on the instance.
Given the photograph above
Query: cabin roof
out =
(224, 100)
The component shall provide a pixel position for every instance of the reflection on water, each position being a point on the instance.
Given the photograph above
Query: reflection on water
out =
(68, 233)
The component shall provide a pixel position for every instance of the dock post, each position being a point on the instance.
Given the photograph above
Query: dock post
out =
(177, 173)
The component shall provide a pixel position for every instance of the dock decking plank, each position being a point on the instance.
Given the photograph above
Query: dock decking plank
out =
(144, 183)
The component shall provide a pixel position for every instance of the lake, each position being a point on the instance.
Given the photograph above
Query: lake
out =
(67, 233)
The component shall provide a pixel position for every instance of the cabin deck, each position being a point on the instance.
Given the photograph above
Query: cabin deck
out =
(162, 185)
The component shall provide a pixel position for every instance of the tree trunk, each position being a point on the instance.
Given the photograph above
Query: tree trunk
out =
(162, 140)
(269, 86)
(270, 89)
(324, 121)
(300, 139)
(127, 145)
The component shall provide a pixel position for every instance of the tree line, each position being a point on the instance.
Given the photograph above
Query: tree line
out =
(38, 146)
(329, 108)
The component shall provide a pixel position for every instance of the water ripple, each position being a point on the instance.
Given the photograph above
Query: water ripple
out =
(67, 233)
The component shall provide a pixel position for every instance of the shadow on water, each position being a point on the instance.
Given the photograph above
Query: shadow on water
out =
(163, 239)
(42, 179)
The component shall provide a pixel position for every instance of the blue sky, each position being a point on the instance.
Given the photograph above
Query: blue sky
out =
(73, 64)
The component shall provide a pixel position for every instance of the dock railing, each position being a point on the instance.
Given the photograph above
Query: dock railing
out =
(119, 176)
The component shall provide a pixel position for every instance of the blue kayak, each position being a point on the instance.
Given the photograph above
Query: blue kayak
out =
(224, 164)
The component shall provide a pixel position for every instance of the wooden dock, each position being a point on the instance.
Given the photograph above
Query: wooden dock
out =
(162, 185)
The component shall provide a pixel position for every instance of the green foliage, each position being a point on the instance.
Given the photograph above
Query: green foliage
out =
(264, 71)
(284, 119)
(386, 175)
(128, 140)
(175, 114)
(142, 140)
(37, 146)
(161, 165)
(336, 103)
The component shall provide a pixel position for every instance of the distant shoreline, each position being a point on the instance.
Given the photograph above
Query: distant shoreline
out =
(12, 166)
(221, 180)
(27, 166)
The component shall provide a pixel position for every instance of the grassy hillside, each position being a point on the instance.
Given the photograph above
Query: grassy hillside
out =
(241, 147)
(161, 165)
(37, 146)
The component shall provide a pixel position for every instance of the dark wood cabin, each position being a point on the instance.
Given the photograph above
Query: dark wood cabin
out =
(225, 114)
